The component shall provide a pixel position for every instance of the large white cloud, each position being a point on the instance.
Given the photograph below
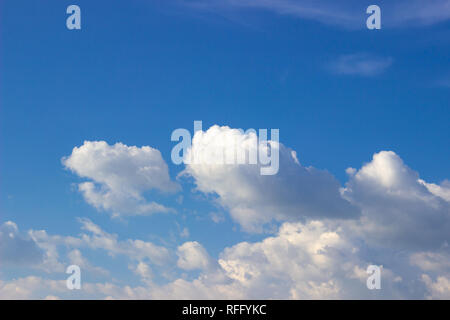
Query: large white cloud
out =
(403, 225)
(360, 64)
(97, 239)
(295, 193)
(438, 289)
(399, 210)
(30, 287)
(120, 176)
(316, 260)
(302, 261)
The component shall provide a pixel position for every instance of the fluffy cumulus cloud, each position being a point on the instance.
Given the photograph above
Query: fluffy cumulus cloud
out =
(295, 193)
(404, 225)
(314, 260)
(95, 238)
(398, 208)
(348, 14)
(431, 261)
(192, 255)
(439, 289)
(302, 261)
(119, 176)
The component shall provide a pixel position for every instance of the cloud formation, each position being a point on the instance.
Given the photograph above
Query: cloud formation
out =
(17, 249)
(348, 14)
(325, 237)
(398, 208)
(192, 255)
(120, 175)
(316, 260)
(97, 239)
(295, 193)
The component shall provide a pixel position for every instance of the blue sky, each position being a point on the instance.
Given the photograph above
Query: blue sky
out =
(137, 70)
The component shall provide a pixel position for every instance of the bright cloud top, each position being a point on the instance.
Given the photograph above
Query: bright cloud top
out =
(192, 255)
(348, 14)
(294, 193)
(17, 249)
(120, 175)
(396, 204)
(360, 64)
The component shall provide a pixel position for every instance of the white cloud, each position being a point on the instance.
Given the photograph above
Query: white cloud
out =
(404, 225)
(30, 288)
(294, 193)
(442, 190)
(143, 270)
(302, 261)
(17, 249)
(439, 289)
(444, 82)
(133, 248)
(184, 233)
(360, 64)
(120, 176)
(192, 255)
(398, 209)
(217, 217)
(417, 12)
(98, 239)
(431, 261)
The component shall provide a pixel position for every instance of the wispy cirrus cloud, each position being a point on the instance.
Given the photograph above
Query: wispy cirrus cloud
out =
(360, 64)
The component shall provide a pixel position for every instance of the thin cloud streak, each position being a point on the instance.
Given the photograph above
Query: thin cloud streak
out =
(348, 14)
